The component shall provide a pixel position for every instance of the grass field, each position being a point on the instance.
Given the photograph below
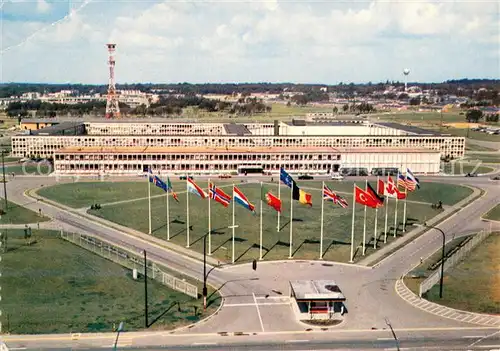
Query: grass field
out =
(460, 168)
(474, 284)
(53, 286)
(422, 118)
(134, 214)
(485, 158)
(494, 213)
(471, 134)
(16, 214)
(473, 147)
(29, 168)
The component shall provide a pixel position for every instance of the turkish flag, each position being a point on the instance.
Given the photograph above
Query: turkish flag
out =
(364, 198)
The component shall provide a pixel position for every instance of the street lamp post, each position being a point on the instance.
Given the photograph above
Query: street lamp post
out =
(442, 259)
(4, 183)
(205, 291)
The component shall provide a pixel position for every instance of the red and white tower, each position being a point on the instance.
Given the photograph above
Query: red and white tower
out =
(112, 107)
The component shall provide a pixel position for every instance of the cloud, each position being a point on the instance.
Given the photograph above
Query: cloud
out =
(42, 6)
(301, 41)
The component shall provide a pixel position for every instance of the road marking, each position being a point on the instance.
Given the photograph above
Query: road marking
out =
(258, 312)
(385, 338)
(493, 347)
(253, 304)
(17, 348)
(203, 343)
(292, 341)
(472, 337)
(485, 337)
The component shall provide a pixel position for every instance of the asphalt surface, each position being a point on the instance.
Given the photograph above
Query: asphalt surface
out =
(371, 297)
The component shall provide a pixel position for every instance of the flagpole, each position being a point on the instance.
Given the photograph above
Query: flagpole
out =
(260, 251)
(322, 218)
(209, 222)
(233, 222)
(352, 226)
(291, 219)
(364, 223)
(386, 214)
(279, 197)
(376, 224)
(149, 198)
(168, 215)
(404, 210)
(396, 216)
(187, 213)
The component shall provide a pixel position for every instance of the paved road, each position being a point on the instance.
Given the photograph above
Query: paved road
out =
(416, 339)
(370, 292)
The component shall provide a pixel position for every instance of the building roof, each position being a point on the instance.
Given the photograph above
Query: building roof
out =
(236, 129)
(54, 129)
(330, 123)
(409, 129)
(52, 121)
(188, 150)
(389, 150)
(316, 290)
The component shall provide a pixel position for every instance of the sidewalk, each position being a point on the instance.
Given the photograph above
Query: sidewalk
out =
(442, 311)
(410, 235)
(43, 225)
(135, 233)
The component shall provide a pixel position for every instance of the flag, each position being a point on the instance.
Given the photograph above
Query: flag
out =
(169, 186)
(381, 187)
(158, 182)
(364, 198)
(412, 182)
(192, 187)
(241, 199)
(271, 200)
(218, 195)
(374, 195)
(286, 178)
(391, 190)
(329, 195)
(305, 198)
(295, 191)
(401, 181)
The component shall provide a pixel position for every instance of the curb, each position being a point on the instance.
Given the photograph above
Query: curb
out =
(451, 313)
(238, 265)
(201, 321)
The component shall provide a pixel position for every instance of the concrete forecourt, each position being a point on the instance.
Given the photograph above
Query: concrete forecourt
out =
(256, 309)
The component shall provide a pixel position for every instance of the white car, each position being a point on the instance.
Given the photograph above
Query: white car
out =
(337, 176)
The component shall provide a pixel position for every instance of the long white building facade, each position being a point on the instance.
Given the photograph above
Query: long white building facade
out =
(126, 147)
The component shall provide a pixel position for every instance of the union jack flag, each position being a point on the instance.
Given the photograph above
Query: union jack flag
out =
(329, 195)
(220, 196)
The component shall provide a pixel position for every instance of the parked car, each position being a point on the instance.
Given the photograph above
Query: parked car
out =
(337, 176)
(305, 177)
(471, 175)
(184, 177)
(224, 176)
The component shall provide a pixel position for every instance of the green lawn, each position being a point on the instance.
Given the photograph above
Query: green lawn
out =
(16, 214)
(423, 117)
(474, 284)
(461, 168)
(53, 286)
(134, 214)
(83, 194)
(494, 213)
(485, 158)
(473, 147)
(30, 168)
(471, 134)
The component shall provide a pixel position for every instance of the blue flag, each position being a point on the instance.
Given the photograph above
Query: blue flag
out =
(286, 178)
(158, 182)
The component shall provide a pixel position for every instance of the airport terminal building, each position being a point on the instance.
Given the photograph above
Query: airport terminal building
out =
(128, 147)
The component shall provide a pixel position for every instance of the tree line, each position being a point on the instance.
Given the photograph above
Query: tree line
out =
(470, 88)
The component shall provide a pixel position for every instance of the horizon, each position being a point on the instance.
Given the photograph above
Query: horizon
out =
(328, 42)
(453, 80)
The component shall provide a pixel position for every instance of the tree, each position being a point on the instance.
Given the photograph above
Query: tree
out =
(415, 101)
(335, 110)
(345, 107)
(473, 115)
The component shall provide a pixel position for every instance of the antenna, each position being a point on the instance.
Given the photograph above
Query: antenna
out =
(112, 107)
(406, 72)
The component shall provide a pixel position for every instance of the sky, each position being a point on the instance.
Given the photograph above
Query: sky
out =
(219, 41)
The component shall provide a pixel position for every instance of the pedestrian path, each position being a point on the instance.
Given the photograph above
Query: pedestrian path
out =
(442, 311)
(42, 225)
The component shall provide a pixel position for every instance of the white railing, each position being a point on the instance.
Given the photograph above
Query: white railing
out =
(128, 258)
(434, 278)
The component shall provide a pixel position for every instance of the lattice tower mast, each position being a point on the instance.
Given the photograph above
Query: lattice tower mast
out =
(112, 107)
